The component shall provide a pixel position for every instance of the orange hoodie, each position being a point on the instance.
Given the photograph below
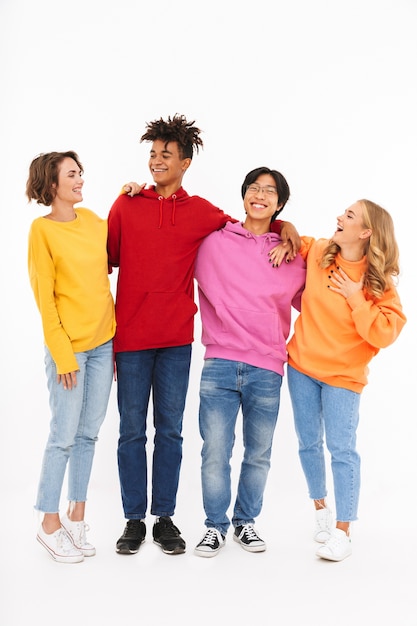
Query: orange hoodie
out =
(335, 337)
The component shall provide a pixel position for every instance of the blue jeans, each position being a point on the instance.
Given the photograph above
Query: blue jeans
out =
(166, 372)
(227, 386)
(77, 415)
(319, 410)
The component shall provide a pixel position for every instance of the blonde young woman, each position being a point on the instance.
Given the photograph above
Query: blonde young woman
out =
(350, 310)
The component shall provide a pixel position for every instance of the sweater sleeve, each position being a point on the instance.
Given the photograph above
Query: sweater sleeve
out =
(42, 279)
(379, 322)
(114, 233)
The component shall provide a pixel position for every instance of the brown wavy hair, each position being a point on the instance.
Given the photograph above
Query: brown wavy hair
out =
(381, 250)
(43, 175)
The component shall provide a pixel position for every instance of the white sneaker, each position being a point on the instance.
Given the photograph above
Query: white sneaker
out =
(210, 544)
(59, 546)
(77, 534)
(337, 548)
(324, 525)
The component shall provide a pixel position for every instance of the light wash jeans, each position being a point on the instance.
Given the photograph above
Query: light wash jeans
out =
(77, 415)
(323, 410)
(227, 386)
(165, 372)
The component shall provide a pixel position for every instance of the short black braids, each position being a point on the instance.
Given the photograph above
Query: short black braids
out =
(177, 129)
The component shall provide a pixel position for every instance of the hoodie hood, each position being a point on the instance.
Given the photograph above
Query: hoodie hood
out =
(165, 204)
(268, 240)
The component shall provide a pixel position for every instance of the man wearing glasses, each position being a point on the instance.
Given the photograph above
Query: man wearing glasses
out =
(245, 307)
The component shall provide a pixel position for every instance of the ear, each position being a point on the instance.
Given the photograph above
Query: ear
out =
(186, 164)
(365, 234)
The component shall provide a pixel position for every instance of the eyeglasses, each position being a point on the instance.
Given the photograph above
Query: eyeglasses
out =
(268, 190)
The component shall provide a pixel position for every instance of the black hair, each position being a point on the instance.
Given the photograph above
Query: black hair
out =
(177, 129)
(280, 182)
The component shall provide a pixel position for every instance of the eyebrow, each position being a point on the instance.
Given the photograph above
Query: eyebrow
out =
(163, 152)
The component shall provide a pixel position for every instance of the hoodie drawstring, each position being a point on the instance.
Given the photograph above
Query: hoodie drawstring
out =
(161, 201)
(174, 197)
(267, 240)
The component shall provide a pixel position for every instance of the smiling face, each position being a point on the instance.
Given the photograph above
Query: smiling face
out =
(350, 225)
(261, 201)
(70, 183)
(167, 166)
(351, 232)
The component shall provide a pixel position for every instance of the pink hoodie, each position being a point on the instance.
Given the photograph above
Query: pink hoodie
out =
(245, 303)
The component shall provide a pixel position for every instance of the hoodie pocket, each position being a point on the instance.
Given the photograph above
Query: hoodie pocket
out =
(166, 319)
(245, 329)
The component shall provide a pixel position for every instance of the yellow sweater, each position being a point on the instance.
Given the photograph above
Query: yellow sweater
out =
(69, 276)
(335, 337)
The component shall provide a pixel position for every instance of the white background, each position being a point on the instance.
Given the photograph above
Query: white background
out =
(324, 91)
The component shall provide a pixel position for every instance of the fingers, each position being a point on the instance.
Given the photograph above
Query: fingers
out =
(291, 251)
(283, 251)
(69, 380)
(277, 256)
(136, 188)
(132, 188)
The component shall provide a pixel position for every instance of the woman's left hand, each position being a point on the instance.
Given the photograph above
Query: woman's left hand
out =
(132, 189)
(290, 236)
(289, 247)
(278, 254)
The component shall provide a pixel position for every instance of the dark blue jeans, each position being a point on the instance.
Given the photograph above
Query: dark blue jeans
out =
(165, 371)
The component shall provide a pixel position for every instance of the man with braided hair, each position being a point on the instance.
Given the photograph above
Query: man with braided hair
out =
(154, 235)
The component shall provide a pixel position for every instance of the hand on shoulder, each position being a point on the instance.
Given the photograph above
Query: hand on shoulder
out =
(132, 189)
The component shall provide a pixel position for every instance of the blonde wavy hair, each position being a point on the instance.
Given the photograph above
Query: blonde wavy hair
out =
(381, 250)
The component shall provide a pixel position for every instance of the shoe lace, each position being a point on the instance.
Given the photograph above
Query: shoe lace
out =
(336, 541)
(63, 541)
(250, 532)
(131, 529)
(210, 537)
(168, 529)
(323, 519)
(79, 530)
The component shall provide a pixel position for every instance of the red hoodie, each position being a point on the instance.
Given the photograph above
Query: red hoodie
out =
(154, 241)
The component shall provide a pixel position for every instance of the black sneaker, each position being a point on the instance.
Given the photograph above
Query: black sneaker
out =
(167, 536)
(248, 538)
(132, 538)
(210, 544)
